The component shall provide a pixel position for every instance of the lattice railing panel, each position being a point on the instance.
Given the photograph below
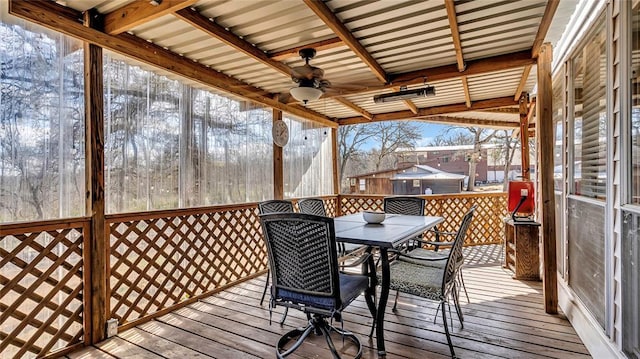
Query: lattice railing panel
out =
(159, 262)
(41, 288)
(487, 226)
(330, 204)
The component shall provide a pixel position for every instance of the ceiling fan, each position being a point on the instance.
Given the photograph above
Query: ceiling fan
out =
(310, 79)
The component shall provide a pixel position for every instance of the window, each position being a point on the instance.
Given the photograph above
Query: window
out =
(635, 109)
(308, 164)
(590, 117)
(41, 123)
(169, 145)
(363, 184)
(416, 183)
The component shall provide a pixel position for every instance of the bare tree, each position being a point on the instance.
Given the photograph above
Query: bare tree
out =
(507, 150)
(391, 136)
(350, 141)
(480, 137)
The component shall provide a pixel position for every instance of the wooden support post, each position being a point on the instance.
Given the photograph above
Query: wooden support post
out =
(95, 315)
(278, 168)
(524, 135)
(545, 150)
(336, 175)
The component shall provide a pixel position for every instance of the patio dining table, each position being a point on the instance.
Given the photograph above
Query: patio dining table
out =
(395, 230)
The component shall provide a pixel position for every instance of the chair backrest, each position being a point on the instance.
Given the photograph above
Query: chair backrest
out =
(275, 206)
(303, 260)
(455, 253)
(312, 206)
(413, 206)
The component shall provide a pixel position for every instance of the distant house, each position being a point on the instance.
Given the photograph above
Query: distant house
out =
(408, 179)
(421, 179)
(378, 182)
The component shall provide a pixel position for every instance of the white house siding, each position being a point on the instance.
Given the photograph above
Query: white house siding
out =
(607, 342)
(619, 51)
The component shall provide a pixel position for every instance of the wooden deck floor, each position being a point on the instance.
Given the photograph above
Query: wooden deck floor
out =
(504, 319)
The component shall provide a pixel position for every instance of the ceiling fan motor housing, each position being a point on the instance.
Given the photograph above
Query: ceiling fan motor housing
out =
(307, 54)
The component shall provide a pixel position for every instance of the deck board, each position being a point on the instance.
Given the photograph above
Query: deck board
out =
(504, 319)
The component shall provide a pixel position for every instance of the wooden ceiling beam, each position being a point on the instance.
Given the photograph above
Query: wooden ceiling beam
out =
(195, 19)
(327, 44)
(467, 94)
(545, 23)
(138, 12)
(455, 34)
(412, 106)
(523, 81)
(432, 111)
(474, 67)
(332, 21)
(447, 72)
(454, 120)
(54, 16)
(512, 110)
(366, 114)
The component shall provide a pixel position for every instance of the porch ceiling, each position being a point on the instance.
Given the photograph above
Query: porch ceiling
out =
(479, 55)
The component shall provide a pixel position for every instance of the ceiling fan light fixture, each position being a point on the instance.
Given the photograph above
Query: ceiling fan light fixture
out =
(305, 93)
(405, 94)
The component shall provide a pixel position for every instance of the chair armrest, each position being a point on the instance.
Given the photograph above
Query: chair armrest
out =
(442, 233)
(360, 259)
(438, 244)
(400, 255)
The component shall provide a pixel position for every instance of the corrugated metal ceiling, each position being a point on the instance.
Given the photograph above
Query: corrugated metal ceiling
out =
(402, 36)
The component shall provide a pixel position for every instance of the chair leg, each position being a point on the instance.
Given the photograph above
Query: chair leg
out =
(266, 285)
(301, 333)
(284, 315)
(446, 328)
(463, 286)
(395, 302)
(456, 302)
(319, 325)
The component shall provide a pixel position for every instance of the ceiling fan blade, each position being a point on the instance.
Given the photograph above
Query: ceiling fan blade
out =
(306, 72)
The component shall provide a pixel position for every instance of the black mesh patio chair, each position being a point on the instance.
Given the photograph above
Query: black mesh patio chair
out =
(411, 206)
(313, 206)
(412, 275)
(275, 206)
(316, 206)
(304, 266)
(438, 258)
(267, 207)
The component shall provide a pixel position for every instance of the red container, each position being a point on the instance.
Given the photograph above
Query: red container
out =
(517, 190)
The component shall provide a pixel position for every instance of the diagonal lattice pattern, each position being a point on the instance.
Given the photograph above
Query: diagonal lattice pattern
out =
(41, 289)
(159, 262)
(486, 228)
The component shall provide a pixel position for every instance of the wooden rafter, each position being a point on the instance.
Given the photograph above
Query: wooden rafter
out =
(138, 12)
(474, 67)
(455, 34)
(467, 94)
(201, 22)
(332, 21)
(431, 111)
(524, 136)
(465, 121)
(366, 114)
(503, 110)
(412, 106)
(523, 81)
(545, 23)
(318, 45)
(48, 14)
(447, 72)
